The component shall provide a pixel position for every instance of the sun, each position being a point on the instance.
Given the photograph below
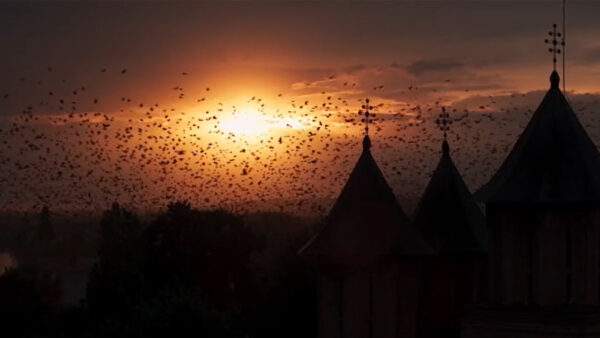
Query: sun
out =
(247, 123)
(254, 123)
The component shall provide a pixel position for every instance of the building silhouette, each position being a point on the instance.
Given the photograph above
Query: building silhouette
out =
(543, 214)
(529, 268)
(368, 256)
(454, 226)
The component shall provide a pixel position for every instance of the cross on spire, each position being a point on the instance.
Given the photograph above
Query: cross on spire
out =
(443, 121)
(368, 116)
(554, 44)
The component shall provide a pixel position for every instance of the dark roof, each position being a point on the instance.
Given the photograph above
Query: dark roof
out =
(366, 222)
(553, 162)
(447, 215)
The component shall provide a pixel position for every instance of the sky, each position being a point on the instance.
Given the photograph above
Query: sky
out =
(250, 104)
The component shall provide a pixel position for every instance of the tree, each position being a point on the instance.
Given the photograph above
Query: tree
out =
(206, 250)
(185, 272)
(115, 284)
(290, 298)
(45, 227)
(29, 301)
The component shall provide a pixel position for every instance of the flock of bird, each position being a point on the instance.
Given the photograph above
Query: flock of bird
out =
(147, 154)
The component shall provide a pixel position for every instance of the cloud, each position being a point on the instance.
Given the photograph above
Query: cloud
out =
(590, 55)
(421, 67)
(422, 82)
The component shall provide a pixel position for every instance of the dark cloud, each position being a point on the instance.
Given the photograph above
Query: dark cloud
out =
(590, 55)
(421, 67)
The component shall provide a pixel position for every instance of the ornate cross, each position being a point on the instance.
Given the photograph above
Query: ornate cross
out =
(554, 49)
(368, 116)
(443, 122)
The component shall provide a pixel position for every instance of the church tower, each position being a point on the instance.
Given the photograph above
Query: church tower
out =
(543, 213)
(543, 208)
(369, 271)
(452, 223)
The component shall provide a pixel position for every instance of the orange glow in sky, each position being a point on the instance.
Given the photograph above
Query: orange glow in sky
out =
(252, 123)
(258, 101)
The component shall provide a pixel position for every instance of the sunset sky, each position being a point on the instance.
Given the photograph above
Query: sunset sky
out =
(239, 93)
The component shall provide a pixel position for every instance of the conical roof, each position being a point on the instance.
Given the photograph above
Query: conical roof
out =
(366, 222)
(447, 215)
(553, 162)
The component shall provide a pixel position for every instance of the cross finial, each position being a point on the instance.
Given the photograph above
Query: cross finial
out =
(443, 121)
(554, 44)
(368, 116)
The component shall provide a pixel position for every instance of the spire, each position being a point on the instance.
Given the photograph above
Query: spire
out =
(554, 80)
(443, 121)
(366, 223)
(366, 143)
(447, 215)
(554, 49)
(445, 148)
(554, 161)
